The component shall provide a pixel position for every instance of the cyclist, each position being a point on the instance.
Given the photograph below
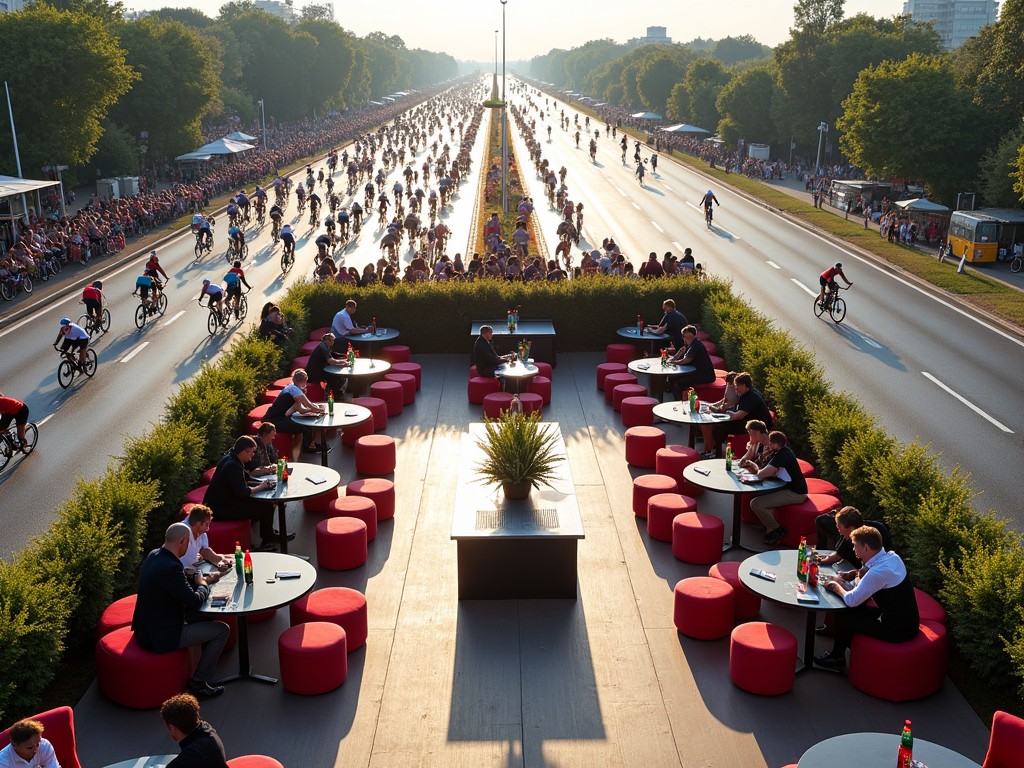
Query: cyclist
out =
(143, 284)
(343, 222)
(310, 178)
(707, 200)
(16, 411)
(216, 294)
(259, 196)
(314, 207)
(300, 193)
(288, 238)
(75, 337)
(242, 199)
(202, 230)
(233, 281)
(236, 237)
(356, 216)
(232, 211)
(153, 267)
(93, 298)
(827, 279)
(276, 214)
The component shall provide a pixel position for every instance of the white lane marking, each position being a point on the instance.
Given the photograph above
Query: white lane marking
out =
(175, 317)
(866, 339)
(677, 246)
(655, 225)
(773, 265)
(134, 352)
(666, 186)
(803, 287)
(695, 207)
(620, 191)
(45, 419)
(967, 402)
(635, 205)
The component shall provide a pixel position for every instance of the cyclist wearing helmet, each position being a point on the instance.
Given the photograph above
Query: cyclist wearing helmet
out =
(75, 337)
(827, 279)
(93, 298)
(708, 199)
(153, 266)
(288, 238)
(216, 294)
(237, 238)
(233, 281)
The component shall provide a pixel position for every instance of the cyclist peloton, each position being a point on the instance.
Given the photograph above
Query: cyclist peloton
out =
(827, 279)
(234, 280)
(75, 337)
(216, 294)
(93, 298)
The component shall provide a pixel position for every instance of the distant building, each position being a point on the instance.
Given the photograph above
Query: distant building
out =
(956, 21)
(277, 8)
(654, 35)
(12, 5)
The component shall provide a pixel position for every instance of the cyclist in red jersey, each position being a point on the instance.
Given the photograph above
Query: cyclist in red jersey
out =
(153, 266)
(93, 298)
(827, 279)
(16, 411)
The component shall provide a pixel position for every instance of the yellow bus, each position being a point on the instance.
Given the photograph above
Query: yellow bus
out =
(986, 234)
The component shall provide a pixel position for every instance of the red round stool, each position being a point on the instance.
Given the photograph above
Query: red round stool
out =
(378, 409)
(545, 370)
(195, 496)
(703, 335)
(806, 468)
(717, 361)
(672, 460)
(638, 411)
(256, 416)
(259, 761)
(358, 507)
(762, 658)
(121, 663)
(481, 386)
(929, 609)
(321, 501)
(798, 519)
(375, 455)
(703, 608)
(408, 382)
(309, 346)
(378, 490)
(340, 543)
(412, 368)
(116, 615)
(269, 396)
(711, 347)
(531, 403)
(697, 538)
(541, 385)
(622, 391)
(603, 369)
(299, 362)
(317, 334)
(351, 434)
(391, 393)
(207, 476)
(395, 353)
(820, 485)
(642, 446)
(338, 605)
(646, 486)
(619, 353)
(662, 509)
(495, 403)
(900, 671)
(711, 393)
(313, 657)
(612, 380)
(739, 443)
(223, 534)
(746, 605)
(315, 392)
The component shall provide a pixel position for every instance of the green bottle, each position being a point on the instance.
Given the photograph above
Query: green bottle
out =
(728, 457)
(238, 559)
(330, 403)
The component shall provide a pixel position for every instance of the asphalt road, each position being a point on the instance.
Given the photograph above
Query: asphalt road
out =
(83, 428)
(928, 368)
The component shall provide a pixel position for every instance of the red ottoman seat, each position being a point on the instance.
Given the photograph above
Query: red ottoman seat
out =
(662, 510)
(338, 605)
(619, 353)
(541, 385)
(321, 501)
(378, 490)
(481, 386)
(269, 396)
(544, 369)
(121, 663)
(603, 369)
(638, 411)
(807, 468)
(408, 382)
(351, 434)
(697, 538)
(711, 393)
(377, 408)
(622, 391)
(396, 353)
(711, 347)
(116, 615)
(703, 608)
(195, 496)
(375, 455)
(314, 657)
(309, 346)
(612, 380)
(672, 460)
(930, 609)
(495, 403)
(317, 334)
(207, 476)
(798, 519)
(820, 485)
(358, 507)
(256, 416)
(340, 543)
(411, 368)
(900, 671)
(746, 605)
(642, 446)
(531, 402)
(762, 658)
(392, 393)
(254, 761)
(299, 362)
(646, 486)
(717, 361)
(223, 534)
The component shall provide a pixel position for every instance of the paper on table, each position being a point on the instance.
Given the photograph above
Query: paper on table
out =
(807, 597)
(643, 366)
(316, 479)
(288, 574)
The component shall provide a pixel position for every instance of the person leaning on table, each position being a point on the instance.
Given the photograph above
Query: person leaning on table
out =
(692, 352)
(485, 358)
(200, 744)
(749, 405)
(230, 496)
(894, 617)
(28, 747)
(837, 526)
(784, 465)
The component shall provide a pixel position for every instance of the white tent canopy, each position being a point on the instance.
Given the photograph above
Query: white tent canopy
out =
(239, 136)
(11, 186)
(219, 147)
(922, 204)
(684, 128)
(646, 116)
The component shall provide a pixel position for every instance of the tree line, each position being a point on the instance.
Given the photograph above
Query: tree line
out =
(89, 86)
(896, 104)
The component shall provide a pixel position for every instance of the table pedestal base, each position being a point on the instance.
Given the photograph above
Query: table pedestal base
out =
(244, 667)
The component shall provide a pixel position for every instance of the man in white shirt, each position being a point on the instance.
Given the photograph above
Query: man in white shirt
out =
(344, 322)
(28, 747)
(199, 519)
(894, 618)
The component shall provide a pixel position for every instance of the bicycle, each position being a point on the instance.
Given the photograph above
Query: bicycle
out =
(834, 304)
(243, 307)
(275, 230)
(218, 317)
(9, 443)
(50, 266)
(70, 366)
(709, 215)
(234, 253)
(12, 285)
(287, 258)
(1016, 263)
(156, 306)
(91, 326)
(204, 245)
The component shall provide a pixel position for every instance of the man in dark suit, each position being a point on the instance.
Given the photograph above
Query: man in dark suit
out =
(200, 745)
(165, 596)
(323, 356)
(485, 358)
(230, 496)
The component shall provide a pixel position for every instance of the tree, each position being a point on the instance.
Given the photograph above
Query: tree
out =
(116, 153)
(678, 107)
(745, 104)
(704, 81)
(655, 78)
(58, 116)
(190, 17)
(108, 13)
(1003, 74)
(318, 12)
(997, 169)
(1018, 173)
(816, 15)
(730, 50)
(332, 63)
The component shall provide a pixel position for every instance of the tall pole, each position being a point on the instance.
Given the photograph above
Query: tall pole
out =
(822, 130)
(505, 125)
(17, 154)
(263, 121)
(495, 54)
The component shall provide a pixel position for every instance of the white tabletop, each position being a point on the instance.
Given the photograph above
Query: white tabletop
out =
(652, 367)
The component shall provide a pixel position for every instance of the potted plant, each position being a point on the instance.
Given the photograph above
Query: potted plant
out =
(518, 453)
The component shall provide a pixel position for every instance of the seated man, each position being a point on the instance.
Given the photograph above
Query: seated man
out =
(321, 356)
(758, 452)
(783, 464)
(28, 747)
(230, 495)
(264, 461)
(839, 524)
(199, 519)
(750, 405)
(200, 745)
(165, 596)
(671, 323)
(344, 324)
(894, 617)
(485, 358)
(692, 352)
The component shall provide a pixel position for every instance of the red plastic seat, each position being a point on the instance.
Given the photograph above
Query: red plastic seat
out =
(711, 393)
(224, 533)
(121, 663)
(378, 410)
(317, 334)
(746, 605)
(531, 403)
(798, 519)
(762, 658)
(603, 369)
(396, 353)
(392, 393)
(321, 501)
(820, 485)
(309, 346)
(351, 434)
(541, 385)
(380, 491)
(703, 608)
(195, 496)
(313, 657)
(642, 446)
(612, 380)
(481, 386)
(412, 368)
(495, 403)
(59, 730)
(338, 605)
(646, 486)
(340, 543)
(619, 353)
(544, 369)
(359, 507)
(929, 609)
(672, 460)
(622, 391)
(254, 761)
(375, 455)
(900, 671)
(257, 416)
(1005, 744)
(662, 509)
(116, 615)
(638, 411)
(408, 382)
(697, 538)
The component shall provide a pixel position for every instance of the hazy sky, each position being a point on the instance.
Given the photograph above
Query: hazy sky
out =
(465, 28)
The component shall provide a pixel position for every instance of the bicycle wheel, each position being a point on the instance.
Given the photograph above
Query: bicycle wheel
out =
(161, 303)
(27, 284)
(105, 320)
(818, 308)
(6, 450)
(6, 290)
(1016, 264)
(838, 310)
(243, 307)
(245, 251)
(31, 436)
(140, 316)
(86, 322)
(229, 254)
(90, 363)
(212, 322)
(287, 259)
(55, 266)
(65, 374)
(198, 250)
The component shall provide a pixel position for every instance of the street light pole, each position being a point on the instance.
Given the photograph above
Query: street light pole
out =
(263, 122)
(495, 54)
(822, 130)
(504, 119)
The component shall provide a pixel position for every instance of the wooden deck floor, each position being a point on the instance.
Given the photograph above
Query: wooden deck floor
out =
(601, 681)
